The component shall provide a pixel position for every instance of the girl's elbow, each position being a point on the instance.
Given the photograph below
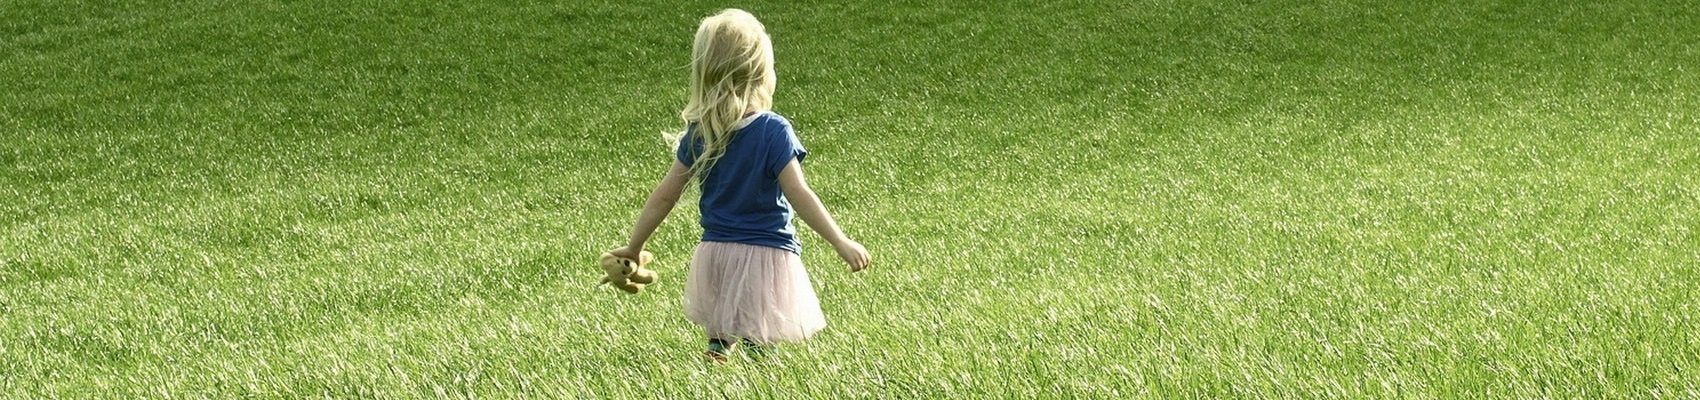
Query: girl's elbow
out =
(795, 194)
(665, 196)
(668, 199)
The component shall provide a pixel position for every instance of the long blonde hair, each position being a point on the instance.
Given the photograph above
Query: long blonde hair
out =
(731, 76)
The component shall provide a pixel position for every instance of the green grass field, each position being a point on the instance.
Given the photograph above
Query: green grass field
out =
(1075, 199)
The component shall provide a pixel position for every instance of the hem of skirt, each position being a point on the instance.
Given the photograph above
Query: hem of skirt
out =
(761, 340)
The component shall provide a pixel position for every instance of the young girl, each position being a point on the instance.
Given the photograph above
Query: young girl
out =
(746, 282)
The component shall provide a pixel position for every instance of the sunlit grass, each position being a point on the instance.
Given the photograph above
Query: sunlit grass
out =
(1150, 199)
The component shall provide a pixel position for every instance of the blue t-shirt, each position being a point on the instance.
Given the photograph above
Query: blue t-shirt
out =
(741, 200)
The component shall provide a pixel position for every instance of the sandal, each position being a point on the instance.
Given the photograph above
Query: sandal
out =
(758, 350)
(717, 350)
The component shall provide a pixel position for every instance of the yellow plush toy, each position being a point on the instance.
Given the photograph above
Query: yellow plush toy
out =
(628, 274)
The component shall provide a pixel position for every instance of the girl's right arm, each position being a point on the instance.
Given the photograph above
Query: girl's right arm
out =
(814, 213)
(655, 209)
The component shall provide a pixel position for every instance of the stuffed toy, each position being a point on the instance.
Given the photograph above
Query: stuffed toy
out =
(628, 274)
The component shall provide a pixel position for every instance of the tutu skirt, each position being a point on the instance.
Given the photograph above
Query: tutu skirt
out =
(756, 293)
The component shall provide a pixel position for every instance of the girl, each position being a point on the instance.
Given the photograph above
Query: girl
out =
(746, 282)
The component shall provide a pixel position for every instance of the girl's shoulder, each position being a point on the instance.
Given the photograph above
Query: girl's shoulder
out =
(768, 121)
(768, 115)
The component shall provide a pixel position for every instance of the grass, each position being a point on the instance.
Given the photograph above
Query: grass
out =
(1281, 199)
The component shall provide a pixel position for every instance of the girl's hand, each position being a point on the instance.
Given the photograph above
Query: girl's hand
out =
(626, 252)
(853, 254)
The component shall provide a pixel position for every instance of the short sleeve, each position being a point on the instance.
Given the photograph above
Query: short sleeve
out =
(785, 147)
(683, 151)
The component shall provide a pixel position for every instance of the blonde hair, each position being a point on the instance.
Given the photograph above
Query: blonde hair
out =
(731, 76)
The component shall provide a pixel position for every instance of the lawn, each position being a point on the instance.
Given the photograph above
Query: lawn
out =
(1073, 199)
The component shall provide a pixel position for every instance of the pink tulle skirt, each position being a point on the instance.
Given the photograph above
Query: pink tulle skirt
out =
(761, 294)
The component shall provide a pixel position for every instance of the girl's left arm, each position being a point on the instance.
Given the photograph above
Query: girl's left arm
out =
(655, 210)
(809, 207)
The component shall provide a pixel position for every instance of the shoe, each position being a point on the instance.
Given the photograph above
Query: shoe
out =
(758, 350)
(717, 350)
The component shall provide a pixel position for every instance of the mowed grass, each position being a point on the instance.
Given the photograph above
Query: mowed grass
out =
(1282, 199)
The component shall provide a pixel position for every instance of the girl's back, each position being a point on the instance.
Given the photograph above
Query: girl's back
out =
(741, 198)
